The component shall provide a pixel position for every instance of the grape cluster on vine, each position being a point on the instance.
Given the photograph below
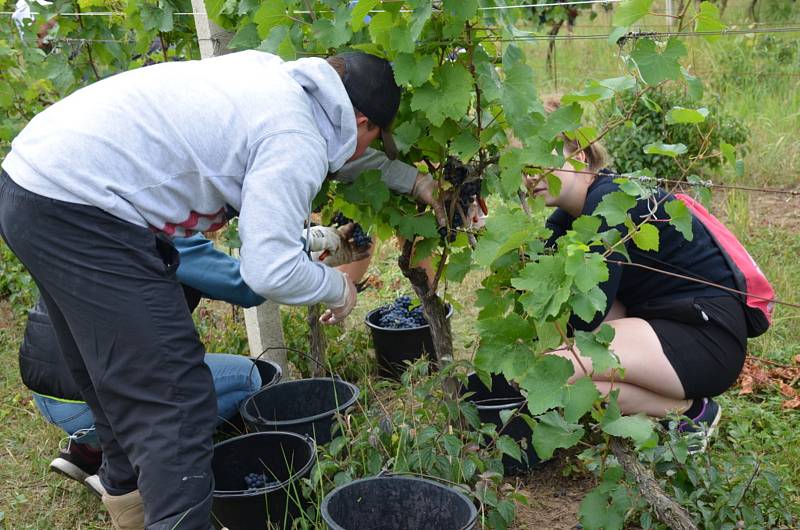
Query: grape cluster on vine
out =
(360, 238)
(400, 315)
(455, 172)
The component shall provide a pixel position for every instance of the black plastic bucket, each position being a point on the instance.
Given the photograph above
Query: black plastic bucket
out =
(283, 457)
(503, 396)
(269, 371)
(393, 347)
(304, 406)
(397, 503)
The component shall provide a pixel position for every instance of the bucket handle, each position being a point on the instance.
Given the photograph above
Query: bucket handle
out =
(301, 352)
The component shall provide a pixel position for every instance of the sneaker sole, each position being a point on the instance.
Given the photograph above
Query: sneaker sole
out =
(68, 469)
(96, 489)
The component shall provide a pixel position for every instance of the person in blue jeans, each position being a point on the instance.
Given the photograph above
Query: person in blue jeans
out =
(203, 272)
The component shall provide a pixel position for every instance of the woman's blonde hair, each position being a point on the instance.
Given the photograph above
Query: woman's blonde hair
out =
(596, 156)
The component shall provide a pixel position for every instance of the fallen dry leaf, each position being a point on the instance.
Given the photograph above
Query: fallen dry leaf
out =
(792, 404)
(788, 391)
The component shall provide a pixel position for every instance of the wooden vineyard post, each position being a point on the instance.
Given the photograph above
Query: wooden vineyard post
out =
(263, 323)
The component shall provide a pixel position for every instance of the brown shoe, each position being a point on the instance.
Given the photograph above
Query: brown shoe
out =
(127, 511)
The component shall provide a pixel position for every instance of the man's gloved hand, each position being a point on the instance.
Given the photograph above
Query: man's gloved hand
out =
(425, 191)
(339, 311)
(321, 238)
(335, 246)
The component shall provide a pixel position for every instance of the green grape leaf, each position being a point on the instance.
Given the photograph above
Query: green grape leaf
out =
(505, 230)
(269, 15)
(579, 398)
(630, 11)
(588, 269)
(360, 11)
(566, 118)
(693, 83)
(455, 81)
(670, 150)
(466, 145)
(423, 249)
(547, 286)
(708, 20)
(333, 33)
(543, 381)
(461, 9)
(587, 305)
(406, 134)
(586, 227)
(614, 207)
(646, 237)
(418, 225)
(553, 184)
(459, 264)
(379, 28)
(680, 218)
(279, 41)
(520, 99)
(655, 66)
(598, 511)
(488, 80)
(728, 152)
(413, 70)
(369, 189)
(246, 38)
(682, 115)
(509, 447)
(638, 428)
(593, 346)
(552, 431)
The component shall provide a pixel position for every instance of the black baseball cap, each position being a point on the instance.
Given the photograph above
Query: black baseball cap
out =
(369, 81)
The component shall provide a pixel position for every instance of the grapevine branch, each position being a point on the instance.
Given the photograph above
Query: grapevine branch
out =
(667, 510)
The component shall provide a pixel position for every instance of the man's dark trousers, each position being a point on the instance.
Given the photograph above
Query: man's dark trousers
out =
(128, 338)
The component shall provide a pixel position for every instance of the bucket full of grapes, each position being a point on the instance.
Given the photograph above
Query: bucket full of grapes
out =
(257, 480)
(400, 334)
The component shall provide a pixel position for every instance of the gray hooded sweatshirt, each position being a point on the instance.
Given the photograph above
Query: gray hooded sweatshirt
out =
(170, 146)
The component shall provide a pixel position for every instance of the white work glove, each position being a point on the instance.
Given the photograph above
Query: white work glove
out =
(338, 311)
(335, 246)
(321, 238)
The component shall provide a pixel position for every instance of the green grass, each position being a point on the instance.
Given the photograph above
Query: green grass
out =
(32, 497)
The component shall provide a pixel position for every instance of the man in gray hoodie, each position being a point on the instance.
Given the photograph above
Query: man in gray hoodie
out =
(97, 183)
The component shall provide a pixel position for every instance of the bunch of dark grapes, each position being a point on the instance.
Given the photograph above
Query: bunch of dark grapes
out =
(397, 315)
(455, 173)
(360, 238)
(256, 481)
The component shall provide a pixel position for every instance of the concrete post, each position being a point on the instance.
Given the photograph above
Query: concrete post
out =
(263, 323)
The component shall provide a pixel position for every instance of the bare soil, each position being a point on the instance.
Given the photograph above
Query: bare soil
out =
(553, 498)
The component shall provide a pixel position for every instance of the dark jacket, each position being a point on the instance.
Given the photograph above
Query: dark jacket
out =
(203, 272)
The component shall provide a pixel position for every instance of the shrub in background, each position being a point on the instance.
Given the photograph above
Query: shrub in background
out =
(647, 125)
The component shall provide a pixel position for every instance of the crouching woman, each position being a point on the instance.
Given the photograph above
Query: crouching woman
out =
(680, 342)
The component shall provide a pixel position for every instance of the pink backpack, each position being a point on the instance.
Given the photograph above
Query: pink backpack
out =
(746, 273)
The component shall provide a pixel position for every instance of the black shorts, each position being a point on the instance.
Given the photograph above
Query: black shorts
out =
(707, 355)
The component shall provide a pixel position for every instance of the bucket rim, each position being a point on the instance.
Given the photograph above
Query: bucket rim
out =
(310, 419)
(372, 325)
(473, 512)
(517, 402)
(312, 445)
